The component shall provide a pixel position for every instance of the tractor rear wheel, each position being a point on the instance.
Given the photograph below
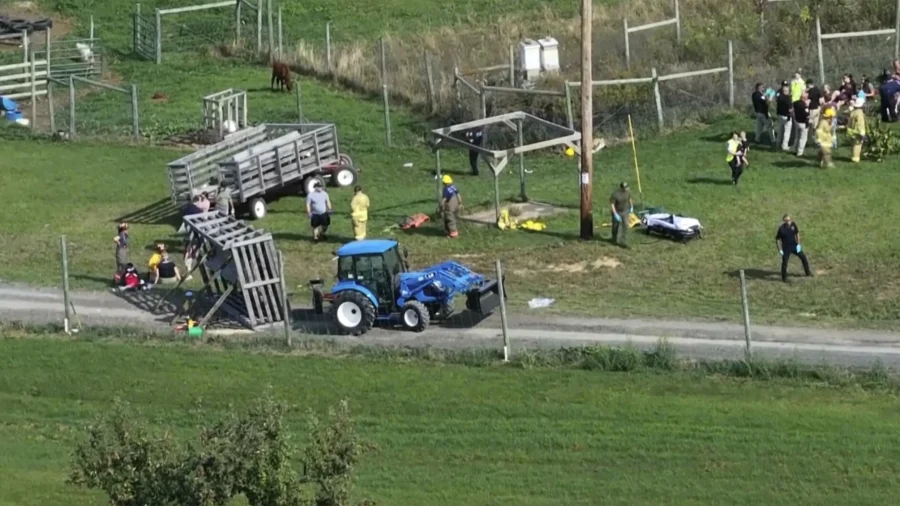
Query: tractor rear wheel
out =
(354, 313)
(415, 316)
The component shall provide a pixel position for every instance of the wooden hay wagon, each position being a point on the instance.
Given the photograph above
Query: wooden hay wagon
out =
(262, 162)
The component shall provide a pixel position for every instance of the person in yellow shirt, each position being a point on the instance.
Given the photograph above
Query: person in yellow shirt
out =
(824, 138)
(856, 127)
(359, 213)
(155, 259)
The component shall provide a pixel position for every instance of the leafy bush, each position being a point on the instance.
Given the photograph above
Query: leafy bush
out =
(246, 454)
(882, 142)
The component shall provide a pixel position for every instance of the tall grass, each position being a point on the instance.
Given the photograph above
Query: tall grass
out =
(767, 52)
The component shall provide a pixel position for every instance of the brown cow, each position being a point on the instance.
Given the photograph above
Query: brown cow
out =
(282, 75)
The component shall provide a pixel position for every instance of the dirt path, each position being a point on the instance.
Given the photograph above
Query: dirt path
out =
(693, 339)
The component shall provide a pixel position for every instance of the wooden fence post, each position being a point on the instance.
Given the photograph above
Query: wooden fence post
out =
(512, 66)
(50, 106)
(259, 25)
(299, 104)
(285, 309)
(135, 120)
(33, 94)
(569, 113)
(158, 37)
(677, 23)
(26, 42)
(71, 107)
(657, 98)
(47, 45)
(280, 36)
(328, 44)
(819, 47)
(270, 22)
(429, 73)
(730, 74)
(237, 22)
(384, 93)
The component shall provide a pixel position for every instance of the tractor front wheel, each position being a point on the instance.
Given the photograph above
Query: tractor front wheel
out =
(354, 313)
(415, 316)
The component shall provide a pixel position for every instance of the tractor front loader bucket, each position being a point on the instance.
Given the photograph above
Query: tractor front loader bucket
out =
(484, 299)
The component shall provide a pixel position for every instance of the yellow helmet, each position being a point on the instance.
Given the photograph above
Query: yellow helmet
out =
(829, 113)
(570, 152)
(447, 179)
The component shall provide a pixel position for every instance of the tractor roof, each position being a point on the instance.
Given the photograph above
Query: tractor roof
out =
(366, 247)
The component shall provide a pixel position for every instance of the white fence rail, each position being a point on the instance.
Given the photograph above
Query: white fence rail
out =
(628, 30)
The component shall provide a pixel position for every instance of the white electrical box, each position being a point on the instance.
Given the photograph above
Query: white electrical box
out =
(530, 59)
(549, 54)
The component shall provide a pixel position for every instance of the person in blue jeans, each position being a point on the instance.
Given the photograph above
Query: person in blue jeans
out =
(787, 240)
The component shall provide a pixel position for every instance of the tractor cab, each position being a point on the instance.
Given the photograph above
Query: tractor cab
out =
(376, 268)
(374, 284)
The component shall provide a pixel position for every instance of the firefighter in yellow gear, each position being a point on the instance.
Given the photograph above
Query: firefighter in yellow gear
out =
(856, 128)
(824, 138)
(359, 213)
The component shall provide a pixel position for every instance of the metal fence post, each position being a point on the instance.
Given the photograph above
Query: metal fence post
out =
(50, 106)
(745, 307)
(71, 107)
(135, 120)
(299, 104)
(237, 22)
(26, 42)
(270, 23)
(627, 46)
(384, 93)
(47, 39)
(280, 36)
(503, 324)
(657, 98)
(259, 24)
(512, 66)
(64, 260)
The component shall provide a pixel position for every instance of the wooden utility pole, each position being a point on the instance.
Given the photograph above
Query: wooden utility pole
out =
(587, 122)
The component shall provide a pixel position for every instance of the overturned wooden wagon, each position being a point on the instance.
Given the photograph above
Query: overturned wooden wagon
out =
(239, 268)
(261, 162)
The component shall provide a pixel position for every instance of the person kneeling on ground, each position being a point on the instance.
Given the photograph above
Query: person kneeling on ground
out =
(787, 240)
(128, 280)
(166, 272)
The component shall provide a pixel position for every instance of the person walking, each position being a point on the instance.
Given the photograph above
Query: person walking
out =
(475, 137)
(856, 128)
(318, 209)
(801, 120)
(359, 212)
(621, 205)
(787, 240)
(824, 138)
(816, 101)
(761, 109)
(121, 241)
(784, 109)
(733, 147)
(451, 202)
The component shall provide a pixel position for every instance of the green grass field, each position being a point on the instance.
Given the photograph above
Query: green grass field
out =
(458, 435)
(81, 189)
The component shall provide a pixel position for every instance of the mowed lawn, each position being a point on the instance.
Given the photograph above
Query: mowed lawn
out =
(457, 435)
(81, 189)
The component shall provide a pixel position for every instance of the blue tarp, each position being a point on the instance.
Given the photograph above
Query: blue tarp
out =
(8, 105)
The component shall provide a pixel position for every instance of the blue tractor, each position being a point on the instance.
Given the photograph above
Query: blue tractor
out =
(374, 285)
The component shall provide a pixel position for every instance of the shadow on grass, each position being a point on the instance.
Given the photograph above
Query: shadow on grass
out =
(755, 274)
(794, 164)
(329, 238)
(710, 180)
(307, 321)
(161, 212)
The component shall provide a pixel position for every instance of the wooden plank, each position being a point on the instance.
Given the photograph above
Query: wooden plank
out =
(255, 297)
(869, 33)
(274, 276)
(191, 8)
(261, 295)
(39, 73)
(23, 66)
(16, 86)
(263, 147)
(650, 26)
(695, 73)
(242, 279)
(267, 275)
(24, 94)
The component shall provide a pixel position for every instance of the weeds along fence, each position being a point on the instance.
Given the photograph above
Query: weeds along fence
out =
(189, 28)
(628, 30)
(879, 46)
(113, 111)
